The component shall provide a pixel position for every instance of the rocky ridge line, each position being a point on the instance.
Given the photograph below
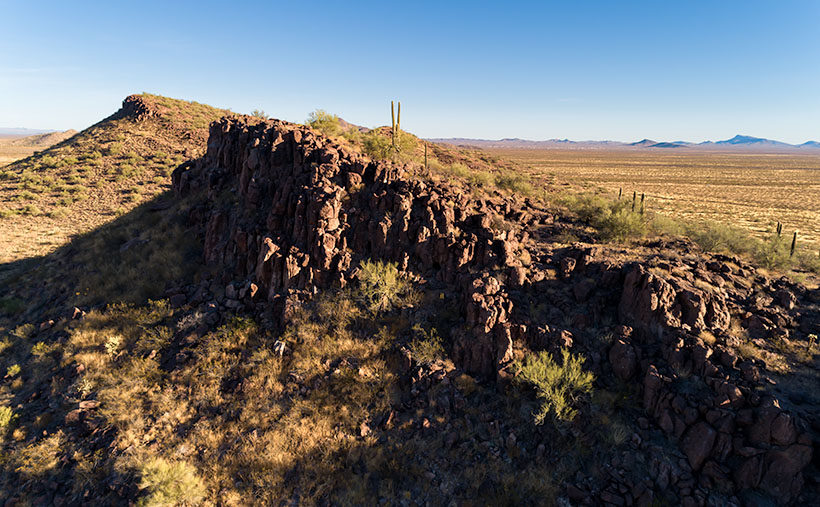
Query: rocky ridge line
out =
(289, 214)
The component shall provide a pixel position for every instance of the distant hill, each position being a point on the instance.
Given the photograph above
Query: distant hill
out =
(670, 145)
(43, 140)
(737, 143)
(740, 140)
(21, 132)
(644, 143)
(516, 143)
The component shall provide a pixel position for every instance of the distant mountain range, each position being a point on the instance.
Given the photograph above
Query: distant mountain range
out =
(737, 143)
(19, 131)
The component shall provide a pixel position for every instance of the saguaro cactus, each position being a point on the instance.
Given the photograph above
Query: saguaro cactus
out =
(634, 200)
(794, 243)
(395, 117)
(620, 193)
(779, 229)
(425, 156)
(643, 197)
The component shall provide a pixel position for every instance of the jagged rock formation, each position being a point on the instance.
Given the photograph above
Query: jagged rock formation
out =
(309, 212)
(288, 214)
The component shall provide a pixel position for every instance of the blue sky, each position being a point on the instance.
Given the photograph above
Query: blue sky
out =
(536, 70)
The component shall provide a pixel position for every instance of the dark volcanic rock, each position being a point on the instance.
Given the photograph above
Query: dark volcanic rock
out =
(308, 212)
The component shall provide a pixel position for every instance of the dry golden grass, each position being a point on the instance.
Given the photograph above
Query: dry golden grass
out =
(752, 191)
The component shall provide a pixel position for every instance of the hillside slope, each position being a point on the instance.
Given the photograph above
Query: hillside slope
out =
(99, 173)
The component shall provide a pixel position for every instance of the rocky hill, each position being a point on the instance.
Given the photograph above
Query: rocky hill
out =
(98, 174)
(358, 331)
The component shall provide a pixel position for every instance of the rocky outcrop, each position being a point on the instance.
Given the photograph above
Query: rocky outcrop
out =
(285, 213)
(652, 303)
(292, 213)
(135, 107)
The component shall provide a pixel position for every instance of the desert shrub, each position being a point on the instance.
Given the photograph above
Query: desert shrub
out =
(376, 146)
(808, 260)
(41, 349)
(7, 175)
(70, 160)
(515, 183)
(13, 370)
(7, 213)
(59, 212)
(170, 483)
(7, 419)
(558, 386)
(614, 220)
(23, 331)
(259, 113)
(11, 305)
(772, 254)
(115, 148)
(426, 346)
(379, 146)
(620, 224)
(48, 161)
(380, 285)
(31, 210)
(717, 237)
(326, 123)
(459, 169)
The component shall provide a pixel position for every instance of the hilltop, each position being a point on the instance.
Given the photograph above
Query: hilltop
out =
(97, 174)
(331, 319)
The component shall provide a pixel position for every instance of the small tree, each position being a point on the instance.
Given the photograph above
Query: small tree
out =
(259, 113)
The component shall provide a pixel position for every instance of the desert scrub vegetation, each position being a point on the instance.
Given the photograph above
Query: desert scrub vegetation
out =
(381, 286)
(559, 386)
(169, 483)
(615, 220)
(242, 414)
(426, 346)
(326, 123)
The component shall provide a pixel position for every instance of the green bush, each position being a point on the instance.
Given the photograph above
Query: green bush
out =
(620, 224)
(31, 210)
(170, 483)
(515, 183)
(614, 220)
(558, 386)
(426, 347)
(376, 146)
(326, 123)
(773, 254)
(380, 285)
(13, 370)
(7, 419)
(721, 238)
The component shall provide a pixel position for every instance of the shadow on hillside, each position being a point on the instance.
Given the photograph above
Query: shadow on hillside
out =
(131, 259)
(57, 452)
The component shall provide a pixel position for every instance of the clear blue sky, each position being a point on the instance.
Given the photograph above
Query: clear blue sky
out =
(580, 70)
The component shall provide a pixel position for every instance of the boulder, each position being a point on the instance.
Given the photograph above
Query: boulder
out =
(623, 359)
(697, 443)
